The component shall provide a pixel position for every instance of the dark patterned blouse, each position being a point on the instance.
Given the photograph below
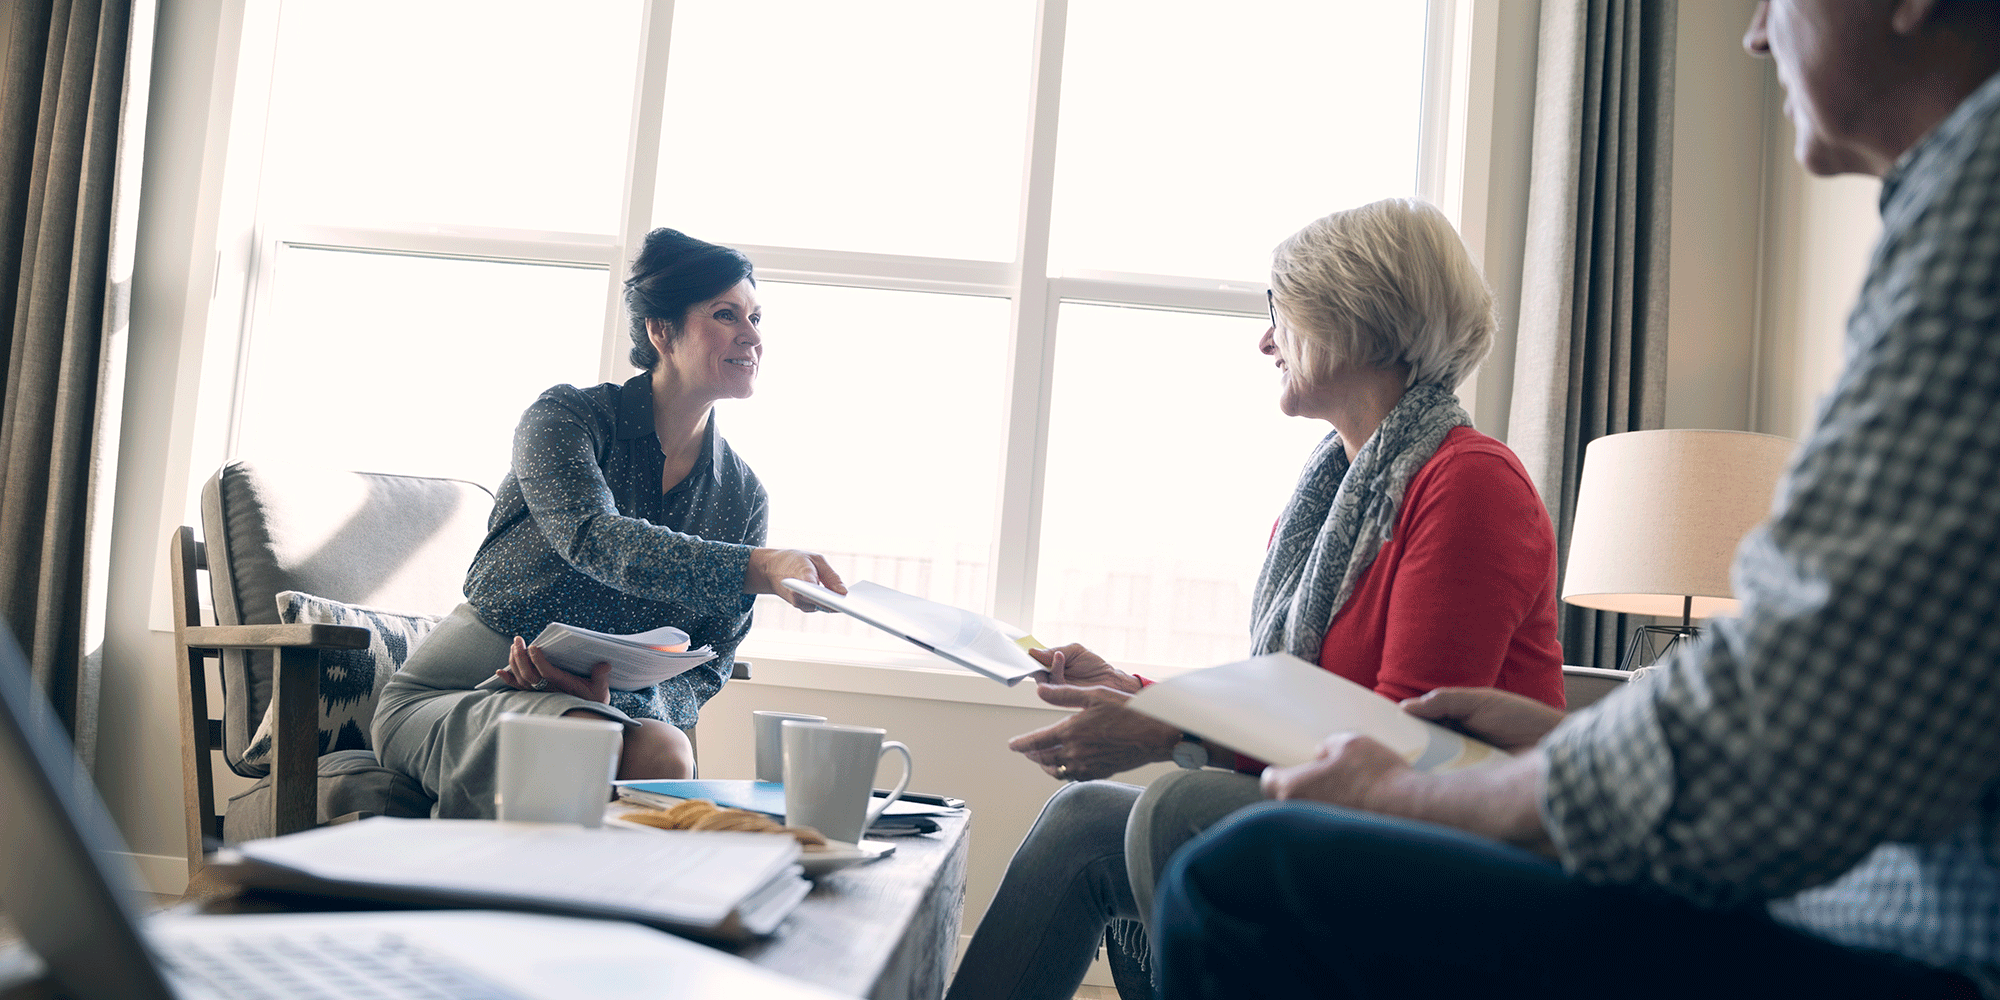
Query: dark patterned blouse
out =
(581, 533)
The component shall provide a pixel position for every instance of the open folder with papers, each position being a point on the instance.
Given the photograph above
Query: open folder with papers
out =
(983, 645)
(721, 886)
(1277, 708)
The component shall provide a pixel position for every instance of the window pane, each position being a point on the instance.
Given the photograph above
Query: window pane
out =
(888, 127)
(1168, 464)
(1300, 107)
(413, 364)
(876, 427)
(491, 113)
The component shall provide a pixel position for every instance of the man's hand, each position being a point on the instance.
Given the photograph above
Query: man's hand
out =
(1098, 742)
(768, 566)
(1350, 771)
(1500, 801)
(1507, 720)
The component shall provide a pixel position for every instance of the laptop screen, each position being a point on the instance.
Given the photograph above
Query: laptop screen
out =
(65, 875)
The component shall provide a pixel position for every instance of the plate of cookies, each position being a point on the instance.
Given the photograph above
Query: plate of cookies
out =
(817, 855)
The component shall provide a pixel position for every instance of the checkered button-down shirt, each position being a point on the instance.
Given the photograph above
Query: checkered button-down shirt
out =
(1834, 750)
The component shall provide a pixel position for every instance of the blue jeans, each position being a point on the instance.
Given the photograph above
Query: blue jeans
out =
(1065, 883)
(1304, 900)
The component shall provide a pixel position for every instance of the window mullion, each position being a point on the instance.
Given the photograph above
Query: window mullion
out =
(1018, 541)
(642, 173)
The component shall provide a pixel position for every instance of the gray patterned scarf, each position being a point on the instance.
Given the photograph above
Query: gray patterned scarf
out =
(1337, 520)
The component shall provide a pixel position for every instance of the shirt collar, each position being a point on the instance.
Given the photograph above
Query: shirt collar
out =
(635, 420)
(1976, 105)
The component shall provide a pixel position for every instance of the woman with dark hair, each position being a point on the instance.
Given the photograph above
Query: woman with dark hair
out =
(623, 510)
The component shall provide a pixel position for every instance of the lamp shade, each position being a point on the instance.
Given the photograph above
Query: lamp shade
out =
(1658, 516)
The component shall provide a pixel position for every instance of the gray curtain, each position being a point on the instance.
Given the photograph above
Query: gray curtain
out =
(1592, 338)
(72, 125)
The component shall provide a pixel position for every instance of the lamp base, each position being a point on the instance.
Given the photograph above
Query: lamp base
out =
(1652, 643)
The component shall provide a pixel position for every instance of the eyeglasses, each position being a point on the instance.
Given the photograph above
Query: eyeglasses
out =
(1271, 305)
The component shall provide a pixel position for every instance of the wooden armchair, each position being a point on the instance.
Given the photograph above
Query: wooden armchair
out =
(349, 539)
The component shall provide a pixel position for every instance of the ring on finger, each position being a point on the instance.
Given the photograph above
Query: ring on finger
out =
(541, 684)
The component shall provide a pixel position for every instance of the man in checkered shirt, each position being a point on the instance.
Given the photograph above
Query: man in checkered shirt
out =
(1806, 803)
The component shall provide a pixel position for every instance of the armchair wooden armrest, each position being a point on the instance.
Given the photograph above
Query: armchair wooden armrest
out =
(305, 635)
(294, 701)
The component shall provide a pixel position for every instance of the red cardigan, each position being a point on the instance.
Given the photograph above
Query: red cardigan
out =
(1464, 593)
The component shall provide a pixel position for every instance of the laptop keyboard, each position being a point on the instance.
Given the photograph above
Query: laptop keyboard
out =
(364, 966)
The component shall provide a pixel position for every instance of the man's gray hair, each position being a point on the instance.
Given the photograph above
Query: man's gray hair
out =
(1386, 283)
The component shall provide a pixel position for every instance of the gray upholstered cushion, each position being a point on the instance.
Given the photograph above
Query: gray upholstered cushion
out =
(350, 781)
(358, 538)
(350, 679)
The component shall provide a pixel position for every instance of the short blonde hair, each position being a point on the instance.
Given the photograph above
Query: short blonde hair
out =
(1384, 284)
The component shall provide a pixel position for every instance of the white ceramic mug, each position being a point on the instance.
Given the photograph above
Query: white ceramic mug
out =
(770, 741)
(830, 777)
(555, 769)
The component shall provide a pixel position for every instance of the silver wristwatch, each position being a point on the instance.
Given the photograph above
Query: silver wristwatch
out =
(1190, 753)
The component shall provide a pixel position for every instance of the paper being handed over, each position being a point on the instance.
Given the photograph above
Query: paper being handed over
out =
(1278, 708)
(971, 640)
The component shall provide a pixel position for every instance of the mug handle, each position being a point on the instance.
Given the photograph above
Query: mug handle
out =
(875, 810)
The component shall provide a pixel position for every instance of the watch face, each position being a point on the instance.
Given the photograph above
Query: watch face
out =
(1190, 755)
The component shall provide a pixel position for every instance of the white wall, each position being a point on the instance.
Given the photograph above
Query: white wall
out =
(1498, 244)
(1766, 260)
(138, 765)
(1718, 173)
(1822, 232)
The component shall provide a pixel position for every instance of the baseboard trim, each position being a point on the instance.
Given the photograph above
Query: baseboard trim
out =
(161, 874)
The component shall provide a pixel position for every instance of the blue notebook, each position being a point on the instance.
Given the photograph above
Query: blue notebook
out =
(766, 797)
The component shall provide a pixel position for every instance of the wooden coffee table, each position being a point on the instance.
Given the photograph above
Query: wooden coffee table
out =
(885, 929)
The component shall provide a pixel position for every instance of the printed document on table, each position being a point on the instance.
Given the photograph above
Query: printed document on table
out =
(971, 640)
(729, 886)
(1278, 708)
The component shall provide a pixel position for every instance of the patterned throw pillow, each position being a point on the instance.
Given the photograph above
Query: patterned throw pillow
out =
(350, 679)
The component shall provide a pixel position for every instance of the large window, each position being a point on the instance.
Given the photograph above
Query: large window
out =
(1012, 256)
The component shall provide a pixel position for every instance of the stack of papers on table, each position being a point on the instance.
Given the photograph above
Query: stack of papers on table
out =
(723, 886)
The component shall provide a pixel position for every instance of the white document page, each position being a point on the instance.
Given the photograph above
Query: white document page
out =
(637, 661)
(1278, 708)
(971, 640)
(682, 878)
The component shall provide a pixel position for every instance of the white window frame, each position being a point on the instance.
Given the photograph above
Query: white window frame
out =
(1455, 140)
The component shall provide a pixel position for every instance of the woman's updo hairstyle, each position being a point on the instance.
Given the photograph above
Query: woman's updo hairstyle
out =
(672, 273)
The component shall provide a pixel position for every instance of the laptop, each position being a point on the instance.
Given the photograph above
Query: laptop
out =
(69, 885)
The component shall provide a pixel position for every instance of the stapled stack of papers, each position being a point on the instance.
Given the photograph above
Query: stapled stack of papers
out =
(723, 886)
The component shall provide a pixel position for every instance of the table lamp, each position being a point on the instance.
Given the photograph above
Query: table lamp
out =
(1658, 516)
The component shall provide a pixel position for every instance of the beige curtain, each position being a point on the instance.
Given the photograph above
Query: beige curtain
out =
(72, 126)
(1592, 342)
